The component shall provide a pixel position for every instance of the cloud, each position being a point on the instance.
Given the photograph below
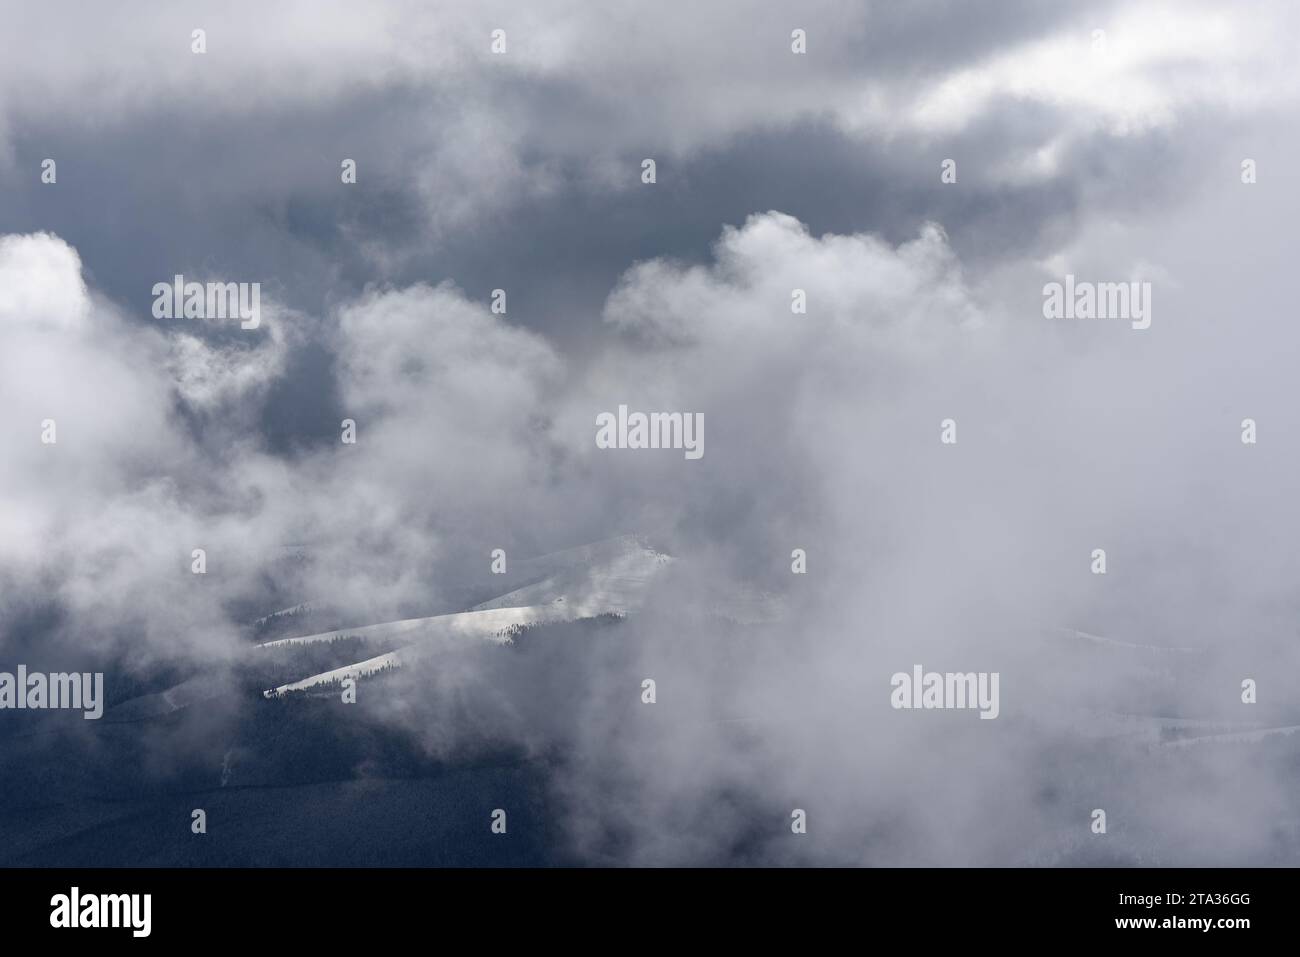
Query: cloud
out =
(90, 516)
(823, 432)
(1126, 69)
(475, 430)
(40, 282)
(857, 282)
(577, 101)
(156, 451)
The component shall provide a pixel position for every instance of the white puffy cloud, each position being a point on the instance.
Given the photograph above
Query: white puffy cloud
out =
(93, 521)
(452, 410)
(40, 283)
(823, 433)
(209, 372)
(1128, 69)
(854, 285)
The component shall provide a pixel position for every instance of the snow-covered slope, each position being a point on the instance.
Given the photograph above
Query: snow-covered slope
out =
(603, 578)
(359, 670)
(495, 624)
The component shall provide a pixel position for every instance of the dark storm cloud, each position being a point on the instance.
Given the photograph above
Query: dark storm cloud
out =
(250, 188)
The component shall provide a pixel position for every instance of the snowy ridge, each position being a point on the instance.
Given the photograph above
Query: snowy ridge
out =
(603, 578)
(492, 624)
(616, 584)
(297, 609)
(359, 670)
